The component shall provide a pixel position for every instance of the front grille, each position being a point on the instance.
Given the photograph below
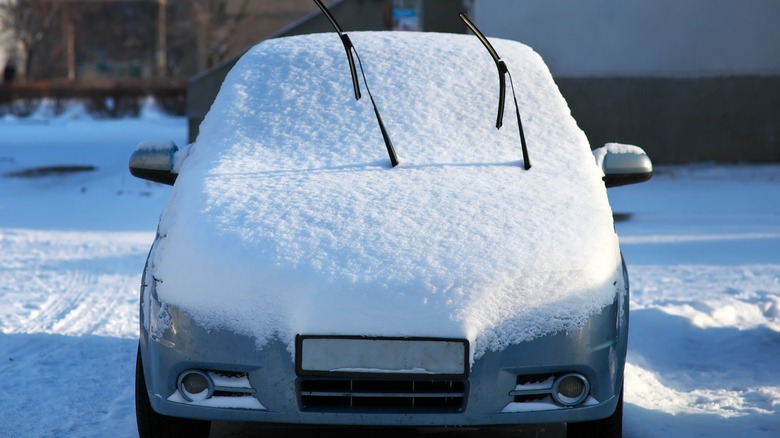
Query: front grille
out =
(368, 394)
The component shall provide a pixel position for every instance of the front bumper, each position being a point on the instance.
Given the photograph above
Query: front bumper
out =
(274, 393)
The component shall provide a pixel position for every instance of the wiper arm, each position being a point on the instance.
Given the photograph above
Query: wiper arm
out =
(355, 85)
(347, 46)
(502, 71)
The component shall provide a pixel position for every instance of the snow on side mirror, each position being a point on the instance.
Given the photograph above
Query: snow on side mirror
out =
(623, 164)
(153, 161)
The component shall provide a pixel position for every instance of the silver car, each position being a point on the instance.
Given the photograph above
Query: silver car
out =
(391, 261)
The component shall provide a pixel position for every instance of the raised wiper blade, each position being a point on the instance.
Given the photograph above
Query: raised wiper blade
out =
(502, 70)
(355, 84)
(500, 65)
(347, 46)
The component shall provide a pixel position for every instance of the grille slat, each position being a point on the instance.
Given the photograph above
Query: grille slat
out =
(370, 394)
(532, 387)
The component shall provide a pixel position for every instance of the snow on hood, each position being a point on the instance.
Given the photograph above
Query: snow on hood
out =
(287, 217)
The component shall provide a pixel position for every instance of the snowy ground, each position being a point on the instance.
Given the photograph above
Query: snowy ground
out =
(703, 247)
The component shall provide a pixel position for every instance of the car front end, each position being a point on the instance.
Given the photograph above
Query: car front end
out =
(195, 372)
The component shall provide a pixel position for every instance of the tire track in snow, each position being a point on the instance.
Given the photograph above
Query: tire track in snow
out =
(107, 306)
(71, 283)
(65, 290)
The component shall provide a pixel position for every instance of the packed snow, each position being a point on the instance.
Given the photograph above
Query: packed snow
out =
(614, 148)
(289, 188)
(701, 243)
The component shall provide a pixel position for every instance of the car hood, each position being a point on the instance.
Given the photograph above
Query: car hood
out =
(287, 217)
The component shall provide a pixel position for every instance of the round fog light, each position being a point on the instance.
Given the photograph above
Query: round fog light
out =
(571, 389)
(195, 385)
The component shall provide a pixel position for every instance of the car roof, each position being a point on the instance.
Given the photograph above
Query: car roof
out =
(288, 187)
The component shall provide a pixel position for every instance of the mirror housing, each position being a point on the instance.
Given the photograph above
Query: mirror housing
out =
(153, 161)
(623, 164)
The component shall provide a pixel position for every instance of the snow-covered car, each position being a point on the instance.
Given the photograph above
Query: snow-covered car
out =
(311, 268)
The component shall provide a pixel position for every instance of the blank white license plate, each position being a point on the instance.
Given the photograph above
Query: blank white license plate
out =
(419, 356)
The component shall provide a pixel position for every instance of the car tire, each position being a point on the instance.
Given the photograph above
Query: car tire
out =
(154, 425)
(610, 427)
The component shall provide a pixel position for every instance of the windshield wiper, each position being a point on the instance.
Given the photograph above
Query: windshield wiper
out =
(355, 85)
(502, 71)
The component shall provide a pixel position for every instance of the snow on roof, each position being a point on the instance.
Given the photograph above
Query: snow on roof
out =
(287, 217)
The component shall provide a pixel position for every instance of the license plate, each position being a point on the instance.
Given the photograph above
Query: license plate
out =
(330, 355)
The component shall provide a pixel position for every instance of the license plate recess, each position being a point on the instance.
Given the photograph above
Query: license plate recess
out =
(385, 356)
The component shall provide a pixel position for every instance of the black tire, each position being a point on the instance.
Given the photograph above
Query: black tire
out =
(610, 427)
(154, 425)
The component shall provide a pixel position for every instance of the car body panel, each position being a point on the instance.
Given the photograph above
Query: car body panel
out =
(597, 352)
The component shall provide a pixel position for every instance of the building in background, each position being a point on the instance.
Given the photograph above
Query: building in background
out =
(136, 39)
(648, 38)
(68, 39)
(154, 39)
(694, 80)
(204, 33)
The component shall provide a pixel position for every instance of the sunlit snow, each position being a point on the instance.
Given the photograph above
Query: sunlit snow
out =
(702, 247)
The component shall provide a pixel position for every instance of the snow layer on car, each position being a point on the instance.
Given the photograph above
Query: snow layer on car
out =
(614, 148)
(287, 217)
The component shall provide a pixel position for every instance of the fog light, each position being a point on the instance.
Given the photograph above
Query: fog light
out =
(571, 389)
(195, 385)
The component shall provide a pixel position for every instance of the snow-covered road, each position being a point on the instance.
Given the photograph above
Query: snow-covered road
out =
(702, 244)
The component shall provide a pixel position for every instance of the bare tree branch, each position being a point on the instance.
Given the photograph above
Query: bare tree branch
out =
(212, 26)
(31, 22)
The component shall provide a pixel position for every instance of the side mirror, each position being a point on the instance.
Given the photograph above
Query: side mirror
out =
(153, 161)
(623, 164)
